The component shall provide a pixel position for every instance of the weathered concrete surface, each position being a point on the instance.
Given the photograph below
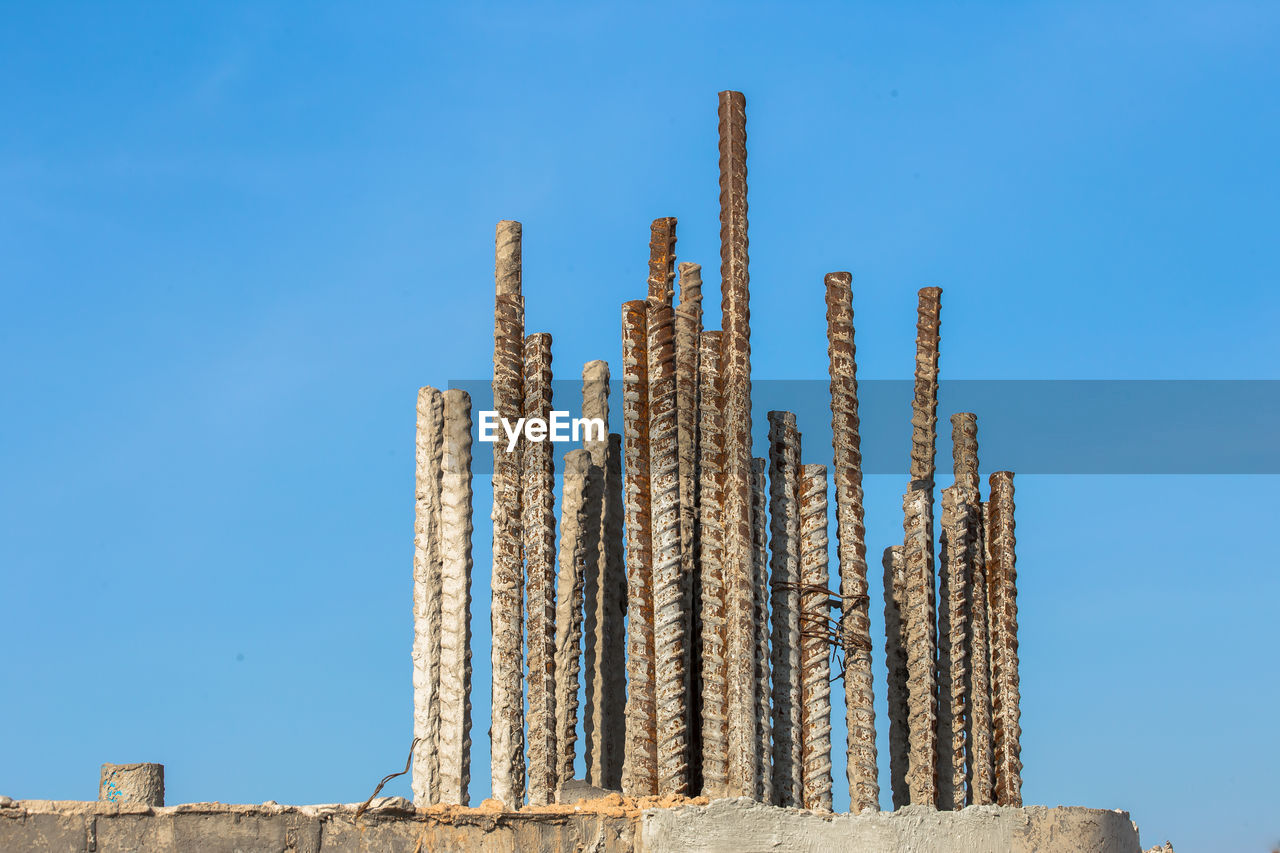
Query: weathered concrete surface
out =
(132, 784)
(742, 826)
(608, 825)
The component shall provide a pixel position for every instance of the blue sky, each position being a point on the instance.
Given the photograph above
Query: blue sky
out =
(235, 239)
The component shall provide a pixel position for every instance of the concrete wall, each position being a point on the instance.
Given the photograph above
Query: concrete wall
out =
(733, 826)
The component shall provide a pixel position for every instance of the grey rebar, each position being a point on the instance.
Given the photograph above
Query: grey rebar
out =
(454, 729)
(855, 620)
(539, 523)
(784, 564)
(426, 597)
(507, 578)
(735, 368)
(573, 560)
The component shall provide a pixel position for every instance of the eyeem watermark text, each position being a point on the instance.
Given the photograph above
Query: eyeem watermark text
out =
(560, 427)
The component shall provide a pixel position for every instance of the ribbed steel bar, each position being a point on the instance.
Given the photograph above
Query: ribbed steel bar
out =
(426, 597)
(454, 732)
(507, 578)
(1002, 582)
(688, 324)
(815, 652)
(980, 757)
(573, 559)
(714, 720)
(662, 259)
(539, 524)
(760, 603)
(964, 450)
(924, 407)
(640, 765)
(954, 585)
(784, 564)
(735, 369)
(918, 619)
(895, 653)
(605, 592)
(670, 615)
(855, 620)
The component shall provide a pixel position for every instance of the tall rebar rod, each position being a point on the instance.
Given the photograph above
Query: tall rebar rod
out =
(735, 369)
(426, 597)
(507, 578)
(572, 559)
(714, 721)
(784, 564)
(815, 657)
(688, 326)
(539, 524)
(918, 618)
(640, 765)
(955, 583)
(895, 653)
(605, 593)
(1002, 582)
(855, 620)
(760, 603)
(670, 616)
(454, 731)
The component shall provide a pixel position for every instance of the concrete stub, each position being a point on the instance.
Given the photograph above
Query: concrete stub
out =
(132, 784)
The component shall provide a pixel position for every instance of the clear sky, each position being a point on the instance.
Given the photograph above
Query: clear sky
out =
(236, 238)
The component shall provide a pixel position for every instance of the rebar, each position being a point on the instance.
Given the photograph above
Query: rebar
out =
(815, 651)
(670, 617)
(539, 524)
(507, 579)
(605, 594)
(918, 618)
(454, 729)
(784, 564)
(855, 620)
(662, 259)
(640, 764)
(1002, 582)
(426, 596)
(760, 605)
(980, 770)
(688, 326)
(714, 720)
(735, 368)
(954, 586)
(964, 450)
(573, 561)
(895, 653)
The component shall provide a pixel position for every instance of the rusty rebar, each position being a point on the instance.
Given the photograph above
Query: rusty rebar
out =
(507, 579)
(426, 596)
(670, 616)
(924, 407)
(688, 326)
(964, 450)
(662, 259)
(954, 586)
(815, 651)
(714, 720)
(784, 564)
(454, 729)
(760, 607)
(605, 597)
(895, 652)
(855, 620)
(736, 371)
(640, 764)
(1003, 602)
(539, 522)
(578, 551)
(918, 619)
(980, 770)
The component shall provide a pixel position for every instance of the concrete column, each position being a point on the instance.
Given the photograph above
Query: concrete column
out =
(760, 603)
(454, 727)
(815, 658)
(427, 562)
(714, 720)
(132, 784)
(539, 523)
(640, 766)
(735, 368)
(784, 563)
(855, 619)
(507, 578)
